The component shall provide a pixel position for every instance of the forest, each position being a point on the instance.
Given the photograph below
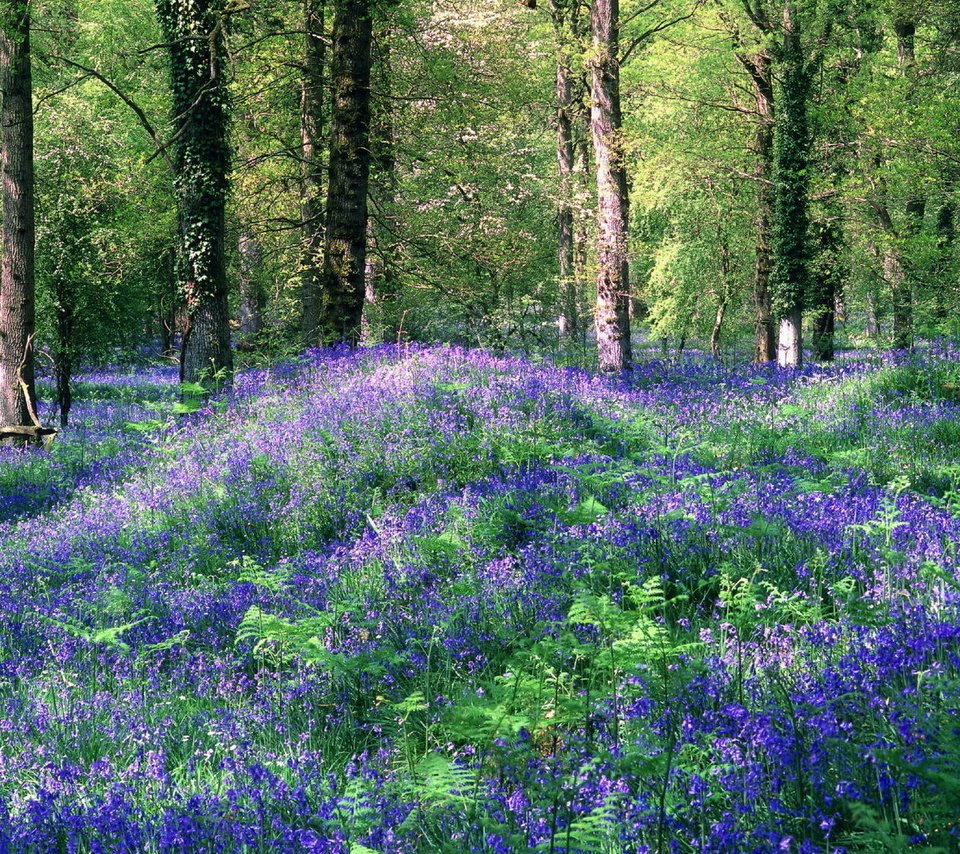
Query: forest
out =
(479, 426)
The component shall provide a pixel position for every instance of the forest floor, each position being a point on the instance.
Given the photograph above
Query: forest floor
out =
(439, 600)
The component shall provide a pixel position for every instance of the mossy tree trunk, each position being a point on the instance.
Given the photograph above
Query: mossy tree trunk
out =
(827, 279)
(759, 67)
(345, 242)
(313, 167)
(384, 323)
(195, 37)
(790, 238)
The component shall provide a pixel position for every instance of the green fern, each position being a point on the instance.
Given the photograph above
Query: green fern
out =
(248, 570)
(108, 637)
(592, 833)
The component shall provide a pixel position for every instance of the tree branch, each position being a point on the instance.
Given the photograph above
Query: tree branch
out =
(161, 149)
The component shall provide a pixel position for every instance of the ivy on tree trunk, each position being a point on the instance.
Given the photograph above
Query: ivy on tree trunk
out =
(194, 33)
(788, 278)
(759, 66)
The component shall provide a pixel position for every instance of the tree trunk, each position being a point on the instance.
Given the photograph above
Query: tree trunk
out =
(569, 319)
(715, 332)
(571, 163)
(194, 32)
(167, 301)
(312, 167)
(826, 286)
(900, 283)
(946, 236)
(723, 298)
(252, 297)
(64, 293)
(613, 280)
(63, 375)
(788, 278)
(584, 216)
(824, 328)
(759, 66)
(790, 339)
(382, 290)
(17, 304)
(345, 243)
(894, 273)
(901, 297)
(872, 323)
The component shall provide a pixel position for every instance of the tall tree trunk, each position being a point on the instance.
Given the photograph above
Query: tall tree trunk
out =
(65, 300)
(827, 276)
(312, 166)
(613, 277)
(194, 32)
(382, 289)
(252, 297)
(946, 236)
(872, 321)
(759, 66)
(723, 297)
(788, 278)
(167, 300)
(17, 306)
(569, 318)
(901, 286)
(894, 272)
(901, 297)
(582, 214)
(569, 90)
(345, 243)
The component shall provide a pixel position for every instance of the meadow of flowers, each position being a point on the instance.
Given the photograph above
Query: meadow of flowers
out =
(437, 600)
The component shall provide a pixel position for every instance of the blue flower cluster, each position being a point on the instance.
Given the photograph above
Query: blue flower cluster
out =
(434, 599)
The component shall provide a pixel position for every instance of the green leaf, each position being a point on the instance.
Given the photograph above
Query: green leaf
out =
(586, 512)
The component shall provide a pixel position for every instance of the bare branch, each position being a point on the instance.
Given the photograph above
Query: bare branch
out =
(663, 25)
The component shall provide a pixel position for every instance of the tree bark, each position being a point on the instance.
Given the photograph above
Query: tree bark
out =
(569, 319)
(252, 297)
(894, 272)
(901, 286)
(824, 328)
(946, 236)
(872, 323)
(382, 290)
(791, 252)
(194, 32)
(759, 66)
(17, 300)
(569, 90)
(790, 339)
(613, 278)
(345, 243)
(827, 277)
(723, 297)
(312, 167)
(901, 297)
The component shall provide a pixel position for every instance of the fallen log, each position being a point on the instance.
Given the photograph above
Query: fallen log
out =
(28, 432)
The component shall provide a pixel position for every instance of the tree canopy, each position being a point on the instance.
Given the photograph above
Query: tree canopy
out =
(513, 175)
